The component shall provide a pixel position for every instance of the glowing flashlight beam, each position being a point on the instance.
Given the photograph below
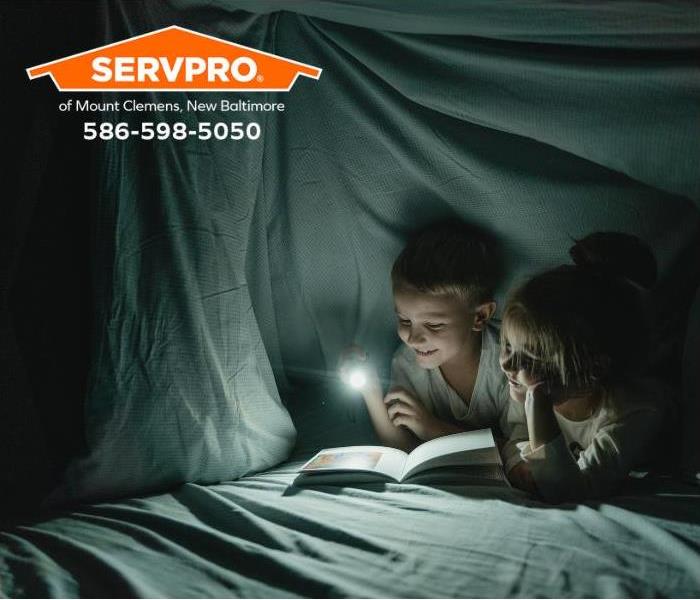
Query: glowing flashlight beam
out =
(357, 379)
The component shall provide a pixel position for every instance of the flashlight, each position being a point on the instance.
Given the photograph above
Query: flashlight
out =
(357, 378)
(354, 373)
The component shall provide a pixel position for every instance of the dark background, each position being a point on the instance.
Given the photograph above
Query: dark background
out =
(47, 179)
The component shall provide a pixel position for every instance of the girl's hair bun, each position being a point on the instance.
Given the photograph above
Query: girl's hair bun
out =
(617, 255)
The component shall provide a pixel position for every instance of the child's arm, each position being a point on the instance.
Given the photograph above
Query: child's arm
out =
(405, 410)
(388, 433)
(542, 424)
(558, 476)
(513, 425)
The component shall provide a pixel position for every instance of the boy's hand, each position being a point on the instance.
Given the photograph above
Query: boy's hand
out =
(352, 357)
(404, 409)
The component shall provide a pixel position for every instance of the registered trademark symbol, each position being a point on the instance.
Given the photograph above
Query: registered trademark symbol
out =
(259, 78)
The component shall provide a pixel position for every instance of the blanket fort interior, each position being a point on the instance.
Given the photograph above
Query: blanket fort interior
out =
(173, 307)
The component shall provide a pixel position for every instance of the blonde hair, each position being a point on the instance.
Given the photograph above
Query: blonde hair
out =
(448, 258)
(585, 322)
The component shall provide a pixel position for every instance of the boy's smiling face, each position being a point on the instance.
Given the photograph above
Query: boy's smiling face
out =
(440, 329)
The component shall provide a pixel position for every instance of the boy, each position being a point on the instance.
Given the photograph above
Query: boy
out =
(446, 376)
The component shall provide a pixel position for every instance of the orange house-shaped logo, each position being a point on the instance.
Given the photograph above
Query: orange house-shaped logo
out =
(174, 59)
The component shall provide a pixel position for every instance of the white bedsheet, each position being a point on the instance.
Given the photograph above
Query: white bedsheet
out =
(259, 537)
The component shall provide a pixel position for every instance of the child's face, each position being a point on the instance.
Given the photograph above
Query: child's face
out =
(439, 329)
(522, 367)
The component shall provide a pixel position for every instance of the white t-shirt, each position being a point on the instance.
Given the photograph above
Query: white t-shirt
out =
(490, 404)
(592, 457)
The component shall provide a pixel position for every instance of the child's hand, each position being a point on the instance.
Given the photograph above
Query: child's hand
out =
(351, 358)
(404, 409)
(545, 391)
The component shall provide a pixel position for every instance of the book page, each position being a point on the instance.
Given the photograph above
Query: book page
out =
(374, 459)
(483, 475)
(470, 447)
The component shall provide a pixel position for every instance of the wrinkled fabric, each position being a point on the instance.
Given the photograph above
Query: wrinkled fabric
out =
(259, 537)
(181, 388)
(225, 269)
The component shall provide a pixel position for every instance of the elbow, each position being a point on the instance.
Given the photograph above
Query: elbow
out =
(560, 491)
(521, 477)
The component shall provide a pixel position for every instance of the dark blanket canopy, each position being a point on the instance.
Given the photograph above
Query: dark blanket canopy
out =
(221, 271)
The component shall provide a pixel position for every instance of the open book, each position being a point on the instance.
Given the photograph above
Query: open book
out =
(471, 455)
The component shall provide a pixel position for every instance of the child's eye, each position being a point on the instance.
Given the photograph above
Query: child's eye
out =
(528, 363)
(525, 363)
(404, 322)
(435, 326)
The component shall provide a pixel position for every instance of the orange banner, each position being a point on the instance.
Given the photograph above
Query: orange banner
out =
(174, 59)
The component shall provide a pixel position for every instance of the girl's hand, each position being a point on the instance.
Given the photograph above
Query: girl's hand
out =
(540, 400)
(404, 409)
(545, 392)
(352, 358)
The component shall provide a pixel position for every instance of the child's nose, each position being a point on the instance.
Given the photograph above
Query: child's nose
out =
(415, 336)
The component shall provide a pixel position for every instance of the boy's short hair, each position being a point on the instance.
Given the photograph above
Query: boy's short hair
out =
(448, 258)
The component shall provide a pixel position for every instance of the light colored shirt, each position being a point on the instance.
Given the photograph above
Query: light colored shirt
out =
(490, 404)
(590, 458)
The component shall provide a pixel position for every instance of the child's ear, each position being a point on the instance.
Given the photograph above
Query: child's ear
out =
(482, 314)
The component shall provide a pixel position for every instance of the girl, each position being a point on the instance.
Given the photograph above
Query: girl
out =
(572, 348)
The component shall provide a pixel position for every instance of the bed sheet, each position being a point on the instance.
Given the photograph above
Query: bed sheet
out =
(262, 537)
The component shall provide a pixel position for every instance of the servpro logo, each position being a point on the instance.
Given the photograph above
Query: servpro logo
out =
(174, 59)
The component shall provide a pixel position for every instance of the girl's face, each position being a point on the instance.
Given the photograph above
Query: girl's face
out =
(438, 329)
(522, 367)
